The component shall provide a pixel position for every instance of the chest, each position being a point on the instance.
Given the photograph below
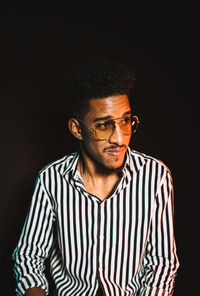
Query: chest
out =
(102, 190)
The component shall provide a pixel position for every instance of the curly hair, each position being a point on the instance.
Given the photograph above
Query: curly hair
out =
(97, 78)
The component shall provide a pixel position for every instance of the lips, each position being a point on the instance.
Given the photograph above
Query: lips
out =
(115, 152)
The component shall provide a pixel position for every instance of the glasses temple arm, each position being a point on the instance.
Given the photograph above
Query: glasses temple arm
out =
(86, 125)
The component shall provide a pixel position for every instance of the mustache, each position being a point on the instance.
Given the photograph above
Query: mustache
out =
(113, 147)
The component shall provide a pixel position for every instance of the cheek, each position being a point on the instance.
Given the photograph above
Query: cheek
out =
(96, 148)
(128, 140)
(93, 147)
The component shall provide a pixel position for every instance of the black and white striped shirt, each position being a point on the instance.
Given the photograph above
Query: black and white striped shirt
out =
(125, 243)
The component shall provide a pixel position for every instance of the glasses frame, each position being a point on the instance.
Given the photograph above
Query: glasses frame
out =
(133, 117)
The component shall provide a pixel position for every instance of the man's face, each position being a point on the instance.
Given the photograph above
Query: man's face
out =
(108, 153)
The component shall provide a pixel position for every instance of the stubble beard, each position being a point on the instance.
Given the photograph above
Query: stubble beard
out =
(101, 167)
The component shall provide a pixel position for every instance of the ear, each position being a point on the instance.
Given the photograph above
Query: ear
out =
(75, 128)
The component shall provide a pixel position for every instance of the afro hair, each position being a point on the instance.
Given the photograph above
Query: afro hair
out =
(97, 78)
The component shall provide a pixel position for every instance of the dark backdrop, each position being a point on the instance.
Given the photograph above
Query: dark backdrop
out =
(36, 53)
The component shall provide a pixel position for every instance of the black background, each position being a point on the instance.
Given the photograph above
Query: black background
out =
(36, 52)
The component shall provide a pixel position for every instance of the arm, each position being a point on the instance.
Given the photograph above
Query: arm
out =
(35, 292)
(35, 243)
(160, 261)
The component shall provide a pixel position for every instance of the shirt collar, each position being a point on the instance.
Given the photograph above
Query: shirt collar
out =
(133, 162)
(71, 164)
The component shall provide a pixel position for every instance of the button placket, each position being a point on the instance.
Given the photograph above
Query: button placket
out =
(101, 234)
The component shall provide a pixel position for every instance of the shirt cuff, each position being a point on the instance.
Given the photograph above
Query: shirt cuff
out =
(30, 281)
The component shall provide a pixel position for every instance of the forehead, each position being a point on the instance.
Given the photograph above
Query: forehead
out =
(114, 106)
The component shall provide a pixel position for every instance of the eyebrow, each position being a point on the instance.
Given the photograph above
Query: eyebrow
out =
(109, 117)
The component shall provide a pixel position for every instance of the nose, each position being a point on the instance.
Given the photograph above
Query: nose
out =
(117, 136)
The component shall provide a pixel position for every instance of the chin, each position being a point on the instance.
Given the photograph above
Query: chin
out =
(117, 166)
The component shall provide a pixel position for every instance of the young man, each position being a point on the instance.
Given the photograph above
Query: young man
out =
(103, 214)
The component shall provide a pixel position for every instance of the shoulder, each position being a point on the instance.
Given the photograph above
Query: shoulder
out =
(151, 169)
(59, 165)
(145, 159)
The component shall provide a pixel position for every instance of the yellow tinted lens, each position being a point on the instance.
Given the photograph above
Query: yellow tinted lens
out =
(104, 130)
(103, 135)
(126, 126)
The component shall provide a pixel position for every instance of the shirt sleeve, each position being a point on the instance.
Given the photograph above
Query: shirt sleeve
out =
(160, 262)
(35, 242)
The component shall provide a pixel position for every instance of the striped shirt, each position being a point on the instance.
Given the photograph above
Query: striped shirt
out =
(124, 243)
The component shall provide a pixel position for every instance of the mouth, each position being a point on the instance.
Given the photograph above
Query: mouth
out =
(115, 152)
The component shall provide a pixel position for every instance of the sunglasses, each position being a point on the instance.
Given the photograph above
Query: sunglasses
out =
(104, 130)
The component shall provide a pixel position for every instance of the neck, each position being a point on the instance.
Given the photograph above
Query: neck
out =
(90, 169)
(98, 180)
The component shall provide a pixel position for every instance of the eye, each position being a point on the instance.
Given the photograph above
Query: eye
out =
(126, 120)
(104, 125)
